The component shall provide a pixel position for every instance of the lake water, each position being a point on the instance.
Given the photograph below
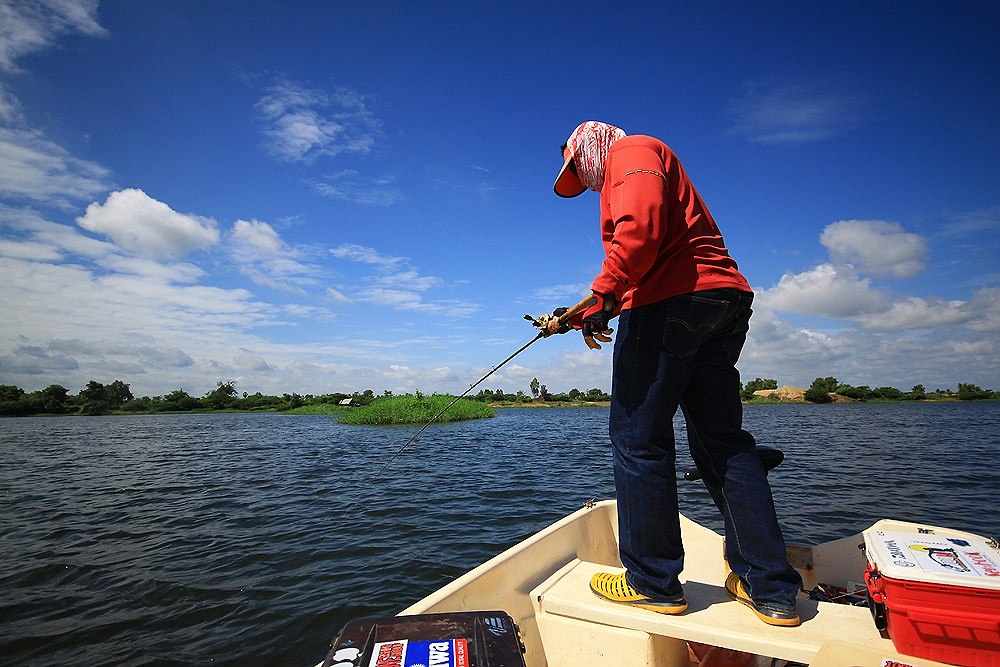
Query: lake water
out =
(252, 538)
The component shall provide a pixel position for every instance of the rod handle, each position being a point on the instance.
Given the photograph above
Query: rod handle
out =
(587, 302)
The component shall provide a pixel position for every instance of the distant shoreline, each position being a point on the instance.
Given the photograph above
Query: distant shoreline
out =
(337, 410)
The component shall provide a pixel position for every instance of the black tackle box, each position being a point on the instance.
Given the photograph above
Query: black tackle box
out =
(460, 639)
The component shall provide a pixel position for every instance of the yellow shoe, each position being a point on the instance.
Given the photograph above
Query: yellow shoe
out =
(786, 618)
(614, 588)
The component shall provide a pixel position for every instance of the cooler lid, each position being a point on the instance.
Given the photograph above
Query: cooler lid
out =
(930, 554)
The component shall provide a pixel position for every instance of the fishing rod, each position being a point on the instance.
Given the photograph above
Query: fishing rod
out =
(544, 323)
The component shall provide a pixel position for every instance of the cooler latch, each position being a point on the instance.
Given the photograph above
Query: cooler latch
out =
(876, 597)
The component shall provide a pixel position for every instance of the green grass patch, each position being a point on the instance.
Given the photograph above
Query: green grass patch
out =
(416, 409)
(318, 409)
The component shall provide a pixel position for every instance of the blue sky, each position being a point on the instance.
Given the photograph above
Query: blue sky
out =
(339, 196)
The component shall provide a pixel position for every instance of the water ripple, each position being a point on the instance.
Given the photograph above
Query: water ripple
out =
(250, 539)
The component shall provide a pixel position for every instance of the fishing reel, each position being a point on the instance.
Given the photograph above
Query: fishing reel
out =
(542, 321)
(562, 315)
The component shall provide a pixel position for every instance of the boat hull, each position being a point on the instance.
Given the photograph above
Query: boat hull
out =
(542, 583)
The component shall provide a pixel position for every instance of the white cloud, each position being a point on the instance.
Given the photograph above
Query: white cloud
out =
(571, 365)
(775, 345)
(178, 272)
(267, 280)
(264, 257)
(348, 185)
(793, 113)
(828, 290)
(985, 304)
(78, 308)
(28, 250)
(939, 357)
(35, 360)
(10, 108)
(568, 293)
(972, 223)
(911, 312)
(145, 226)
(42, 240)
(835, 290)
(875, 247)
(128, 315)
(257, 235)
(796, 355)
(302, 124)
(251, 362)
(410, 281)
(35, 169)
(32, 168)
(338, 296)
(870, 335)
(66, 238)
(365, 255)
(396, 285)
(63, 354)
(165, 357)
(27, 27)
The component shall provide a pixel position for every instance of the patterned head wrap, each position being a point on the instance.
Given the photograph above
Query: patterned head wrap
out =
(588, 148)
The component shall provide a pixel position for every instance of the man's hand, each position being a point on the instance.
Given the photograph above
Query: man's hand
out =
(553, 326)
(595, 321)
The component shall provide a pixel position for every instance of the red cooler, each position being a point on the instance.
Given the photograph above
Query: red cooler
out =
(939, 589)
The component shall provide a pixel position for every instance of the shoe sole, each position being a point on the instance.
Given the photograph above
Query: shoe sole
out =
(770, 620)
(669, 608)
(788, 622)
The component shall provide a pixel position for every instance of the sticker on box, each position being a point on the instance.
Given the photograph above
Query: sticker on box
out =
(408, 653)
(889, 662)
(937, 555)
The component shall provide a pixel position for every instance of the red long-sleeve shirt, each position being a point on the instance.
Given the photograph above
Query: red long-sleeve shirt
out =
(659, 236)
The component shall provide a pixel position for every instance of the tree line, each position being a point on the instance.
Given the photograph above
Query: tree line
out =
(101, 399)
(97, 398)
(539, 392)
(826, 389)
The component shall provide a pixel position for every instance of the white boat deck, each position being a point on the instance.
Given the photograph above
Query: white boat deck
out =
(544, 584)
(712, 618)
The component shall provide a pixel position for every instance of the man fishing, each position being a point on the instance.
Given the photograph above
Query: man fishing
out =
(683, 312)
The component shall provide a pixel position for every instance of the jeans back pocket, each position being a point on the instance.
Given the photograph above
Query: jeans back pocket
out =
(690, 319)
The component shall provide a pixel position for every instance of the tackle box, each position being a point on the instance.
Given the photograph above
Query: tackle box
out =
(935, 591)
(460, 639)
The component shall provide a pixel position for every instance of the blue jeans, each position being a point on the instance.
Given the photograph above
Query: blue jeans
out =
(682, 352)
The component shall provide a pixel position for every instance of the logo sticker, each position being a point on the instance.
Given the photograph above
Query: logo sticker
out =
(436, 653)
(495, 626)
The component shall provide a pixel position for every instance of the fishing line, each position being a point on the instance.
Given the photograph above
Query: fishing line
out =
(540, 322)
(541, 334)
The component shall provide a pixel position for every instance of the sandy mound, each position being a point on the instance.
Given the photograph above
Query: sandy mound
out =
(783, 393)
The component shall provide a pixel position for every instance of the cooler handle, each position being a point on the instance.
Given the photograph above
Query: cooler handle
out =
(958, 620)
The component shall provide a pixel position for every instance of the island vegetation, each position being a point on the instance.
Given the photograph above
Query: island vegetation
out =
(117, 398)
(830, 390)
(417, 409)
